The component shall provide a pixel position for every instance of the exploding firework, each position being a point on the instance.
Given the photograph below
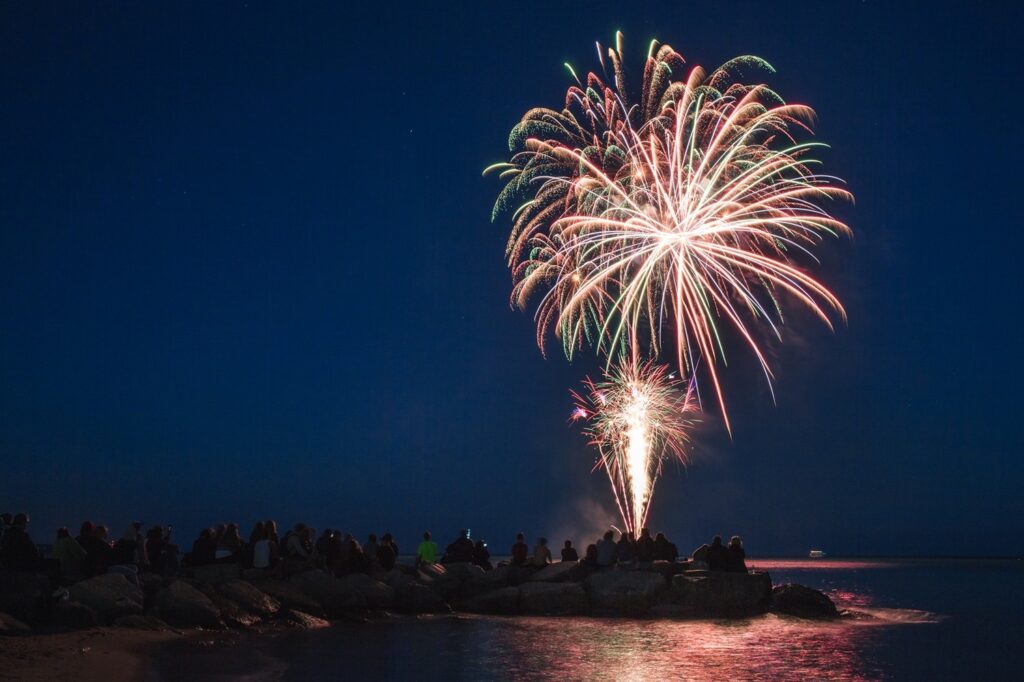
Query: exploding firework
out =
(654, 222)
(638, 417)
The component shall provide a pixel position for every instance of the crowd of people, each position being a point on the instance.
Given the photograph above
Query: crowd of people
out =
(604, 553)
(92, 552)
(297, 550)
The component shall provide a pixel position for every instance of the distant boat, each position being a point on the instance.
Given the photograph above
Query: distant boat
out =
(816, 554)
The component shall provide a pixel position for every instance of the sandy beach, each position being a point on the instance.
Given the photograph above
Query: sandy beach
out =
(99, 654)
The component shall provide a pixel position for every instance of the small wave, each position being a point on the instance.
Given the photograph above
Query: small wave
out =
(885, 616)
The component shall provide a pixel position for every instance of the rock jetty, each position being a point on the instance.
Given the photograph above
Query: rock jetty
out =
(225, 596)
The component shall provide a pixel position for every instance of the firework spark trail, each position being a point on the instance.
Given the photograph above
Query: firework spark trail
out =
(638, 417)
(688, 209)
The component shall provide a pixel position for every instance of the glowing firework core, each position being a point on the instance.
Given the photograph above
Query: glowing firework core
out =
(638, 417)
(637, 453)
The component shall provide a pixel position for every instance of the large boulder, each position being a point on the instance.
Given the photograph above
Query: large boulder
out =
(486, 581)
(563, 571)
(9, 625)
(232, 614)
(181, 604)
(72, 615)
(503, 601)
(718, 594)
(448, 579)
(212, 574)
(249, 598)
(552, 599)
(136, 622)
(290, 597)
(624, 593)
(302, 620)
(667, 568)
(22, 595)
(377, 594)
(414, 597)
(109, 595)
(797, 600)
(338, 598)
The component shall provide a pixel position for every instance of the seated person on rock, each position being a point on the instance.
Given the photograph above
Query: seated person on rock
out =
(606, 550)
(718, 556)
(735, 556)
(663, 549)
(460, 551)
(386, 556)
(481, 556)
(625, 551)
(520, 551)
(229, 546)
(569, 552)
(645, 546)
(204, 549)
(426, 553)
(70, 555)
(541, 553)
(128, 548)
(590, 557)
(19, 553)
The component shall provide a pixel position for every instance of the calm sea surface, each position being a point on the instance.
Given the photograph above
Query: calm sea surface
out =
(926, 619)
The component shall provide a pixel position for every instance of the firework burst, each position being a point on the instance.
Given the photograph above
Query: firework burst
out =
(638, 417)
(655, 222)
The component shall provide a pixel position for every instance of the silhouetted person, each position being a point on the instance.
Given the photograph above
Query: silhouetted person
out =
(386, 556)
(590, 557)
(394, 545)
(426, 553)
(569, 552)
(371, 549)
(482, 557)
(127, 548)
(323, 546)
(229, 545)
(460, 551)
(735, 556)
(606, 550)
(99, 553)
(718, 557)
(541, 553)
(645, 546)
(204, 549)
(17, 551)
(70, 555)
(158, 550)
(85, 533)
(355, 559)
(625, 551)
(298, 546)
(663, 549)
(5, 522)
(520, 551)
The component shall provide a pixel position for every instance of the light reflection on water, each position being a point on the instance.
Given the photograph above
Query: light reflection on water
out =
(907, 619)
(768, 647)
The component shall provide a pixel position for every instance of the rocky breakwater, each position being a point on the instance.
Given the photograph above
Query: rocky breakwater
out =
(225, 596)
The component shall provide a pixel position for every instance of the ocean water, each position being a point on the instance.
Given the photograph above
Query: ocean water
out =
(921, 619)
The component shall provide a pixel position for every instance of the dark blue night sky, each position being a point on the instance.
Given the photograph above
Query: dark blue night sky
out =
(247, 271)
